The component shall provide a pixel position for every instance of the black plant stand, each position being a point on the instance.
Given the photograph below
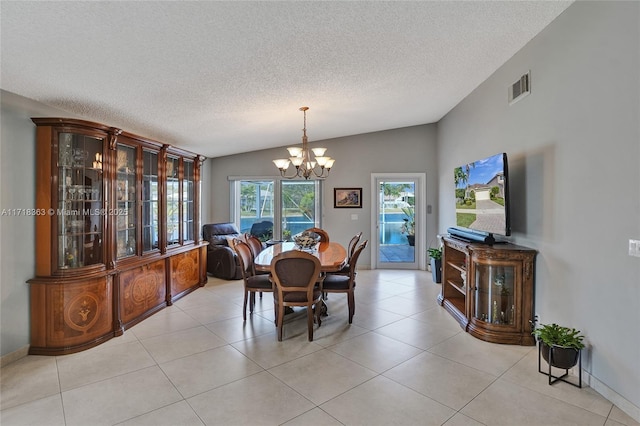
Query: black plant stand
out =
(553, 379)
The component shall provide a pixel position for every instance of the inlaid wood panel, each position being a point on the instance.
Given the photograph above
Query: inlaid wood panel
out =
(70, 314)
(142, 289)
(185, 271)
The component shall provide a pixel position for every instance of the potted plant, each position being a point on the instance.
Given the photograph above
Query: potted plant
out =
(409, 225)
(560, 346)
(435, 256)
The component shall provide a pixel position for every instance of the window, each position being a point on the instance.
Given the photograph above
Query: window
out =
(300, 207)
(273, 208)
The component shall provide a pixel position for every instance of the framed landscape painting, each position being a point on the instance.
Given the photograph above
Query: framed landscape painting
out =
(347, 197)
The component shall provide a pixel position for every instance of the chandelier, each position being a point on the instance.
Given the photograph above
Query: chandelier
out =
(303, 160)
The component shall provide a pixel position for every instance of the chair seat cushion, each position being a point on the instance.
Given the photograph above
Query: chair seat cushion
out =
(336, 282)
(259, 282)
(298, 296)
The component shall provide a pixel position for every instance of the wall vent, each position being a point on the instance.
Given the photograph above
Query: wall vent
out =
(520, 88)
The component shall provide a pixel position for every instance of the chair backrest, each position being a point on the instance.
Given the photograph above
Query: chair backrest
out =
(295, 270)
(354, 259)
(324, 235)
(353, 244)
(262, 229)
(254, 243)
(245, 258)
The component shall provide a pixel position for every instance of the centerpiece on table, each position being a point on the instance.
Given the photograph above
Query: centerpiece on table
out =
(306, 241)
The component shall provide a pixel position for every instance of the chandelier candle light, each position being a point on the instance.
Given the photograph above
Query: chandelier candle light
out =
(303, 160)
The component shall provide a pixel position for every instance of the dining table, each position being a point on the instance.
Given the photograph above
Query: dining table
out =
(332, 255)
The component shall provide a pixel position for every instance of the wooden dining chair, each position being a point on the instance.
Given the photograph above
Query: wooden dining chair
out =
(252, 283)
(351, 248)
(294, 274)
(324, 235)
(256, 247)
(345, 283)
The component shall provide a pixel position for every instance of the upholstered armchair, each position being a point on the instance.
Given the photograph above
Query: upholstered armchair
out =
(222, 260)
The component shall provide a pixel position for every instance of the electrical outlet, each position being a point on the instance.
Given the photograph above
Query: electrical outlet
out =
(634, 248)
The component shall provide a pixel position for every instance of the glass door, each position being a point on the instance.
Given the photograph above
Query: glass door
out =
(495, 298)
(173, 201)
(188, 200)
(150, 201)
(126, 229)
(80, 201)
(398, 218)
(300, 208)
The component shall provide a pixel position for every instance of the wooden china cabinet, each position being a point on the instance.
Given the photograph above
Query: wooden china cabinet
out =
(117, 232)
(488, 289)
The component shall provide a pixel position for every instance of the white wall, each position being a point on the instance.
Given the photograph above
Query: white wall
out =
(17, 233)
(409, 149)
(574, 153)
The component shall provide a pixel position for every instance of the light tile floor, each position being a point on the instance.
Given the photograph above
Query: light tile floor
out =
(403, 361)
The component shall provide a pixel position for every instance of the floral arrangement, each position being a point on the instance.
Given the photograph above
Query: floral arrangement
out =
(306, 240)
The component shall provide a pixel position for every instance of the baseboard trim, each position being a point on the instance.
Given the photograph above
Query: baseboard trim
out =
(618, 400)
(14, 356)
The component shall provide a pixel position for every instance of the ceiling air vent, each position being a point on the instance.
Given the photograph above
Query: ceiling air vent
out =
(520, 88)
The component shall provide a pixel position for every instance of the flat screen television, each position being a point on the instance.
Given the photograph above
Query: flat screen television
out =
(482, 200)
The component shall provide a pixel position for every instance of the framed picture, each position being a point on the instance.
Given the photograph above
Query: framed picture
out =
(347, 197)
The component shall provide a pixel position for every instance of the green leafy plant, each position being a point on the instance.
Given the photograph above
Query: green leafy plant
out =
(557, 335)
(435, 253)
(409, 225)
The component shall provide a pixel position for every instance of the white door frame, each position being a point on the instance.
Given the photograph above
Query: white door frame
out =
(420, 211)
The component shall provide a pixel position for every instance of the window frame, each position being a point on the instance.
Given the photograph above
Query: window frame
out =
(234, 198)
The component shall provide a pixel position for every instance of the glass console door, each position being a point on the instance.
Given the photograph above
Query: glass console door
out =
(495, 299)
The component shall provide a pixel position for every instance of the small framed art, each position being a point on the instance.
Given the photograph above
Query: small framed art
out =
(347, 198)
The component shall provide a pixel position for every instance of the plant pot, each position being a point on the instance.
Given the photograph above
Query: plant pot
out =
(561, 357)
(436, 270)
(412, 240)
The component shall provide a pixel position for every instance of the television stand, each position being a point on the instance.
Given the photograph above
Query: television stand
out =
(471, 236)
(488, 289)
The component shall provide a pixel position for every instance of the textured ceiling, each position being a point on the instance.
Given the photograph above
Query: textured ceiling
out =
(220, 78)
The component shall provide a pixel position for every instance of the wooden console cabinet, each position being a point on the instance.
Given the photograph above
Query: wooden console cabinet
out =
(488, 289)
(117, 232)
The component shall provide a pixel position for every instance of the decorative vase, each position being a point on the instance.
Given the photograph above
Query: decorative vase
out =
(436, 270)
(561, 357)
(412, 240)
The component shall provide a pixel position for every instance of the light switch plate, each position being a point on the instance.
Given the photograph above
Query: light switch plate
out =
(354, 217)
(634, 248)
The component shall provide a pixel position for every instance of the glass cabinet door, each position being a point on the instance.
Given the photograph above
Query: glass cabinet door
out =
(173, 201)
(80, 200)
(495, 301)
(126, 228)
(188, 192)
(150, 201)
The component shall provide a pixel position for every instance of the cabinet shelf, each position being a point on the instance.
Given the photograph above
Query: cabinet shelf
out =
(460, 287)
(458, 266)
